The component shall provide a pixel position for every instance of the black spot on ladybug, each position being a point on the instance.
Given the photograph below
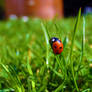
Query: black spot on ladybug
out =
(60, 48)
(55, 46)
(56, 52)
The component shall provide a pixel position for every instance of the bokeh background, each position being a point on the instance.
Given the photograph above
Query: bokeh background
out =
(43, 8)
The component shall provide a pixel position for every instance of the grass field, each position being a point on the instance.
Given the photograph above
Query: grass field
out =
(24, 53)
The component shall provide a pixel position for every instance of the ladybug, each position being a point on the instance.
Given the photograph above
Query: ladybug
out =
(56, 45)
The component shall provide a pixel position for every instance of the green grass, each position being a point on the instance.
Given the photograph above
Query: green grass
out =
(27, 62)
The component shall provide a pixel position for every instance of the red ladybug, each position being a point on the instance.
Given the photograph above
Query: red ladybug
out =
(56, 45)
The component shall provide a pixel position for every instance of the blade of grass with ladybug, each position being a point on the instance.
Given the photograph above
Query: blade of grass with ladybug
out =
(59, 58)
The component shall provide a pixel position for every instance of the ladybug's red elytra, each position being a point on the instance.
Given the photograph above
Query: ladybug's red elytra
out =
(56, 45)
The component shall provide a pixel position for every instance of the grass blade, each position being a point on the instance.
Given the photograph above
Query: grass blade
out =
(13, 76)
(72, 44)
(83, 33)
(7, 90)
(74, 32)
(47, 42)
(82, 45)
(31, 74)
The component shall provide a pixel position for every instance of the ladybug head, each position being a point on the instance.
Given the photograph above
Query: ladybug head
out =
(52, 40)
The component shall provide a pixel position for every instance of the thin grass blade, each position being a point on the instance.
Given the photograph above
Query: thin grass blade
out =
(7, 90)
(72, 44)
(47, 42)
(31, 74)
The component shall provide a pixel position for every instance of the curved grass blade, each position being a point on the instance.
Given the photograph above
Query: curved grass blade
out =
(87, 90)
(47, 42)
